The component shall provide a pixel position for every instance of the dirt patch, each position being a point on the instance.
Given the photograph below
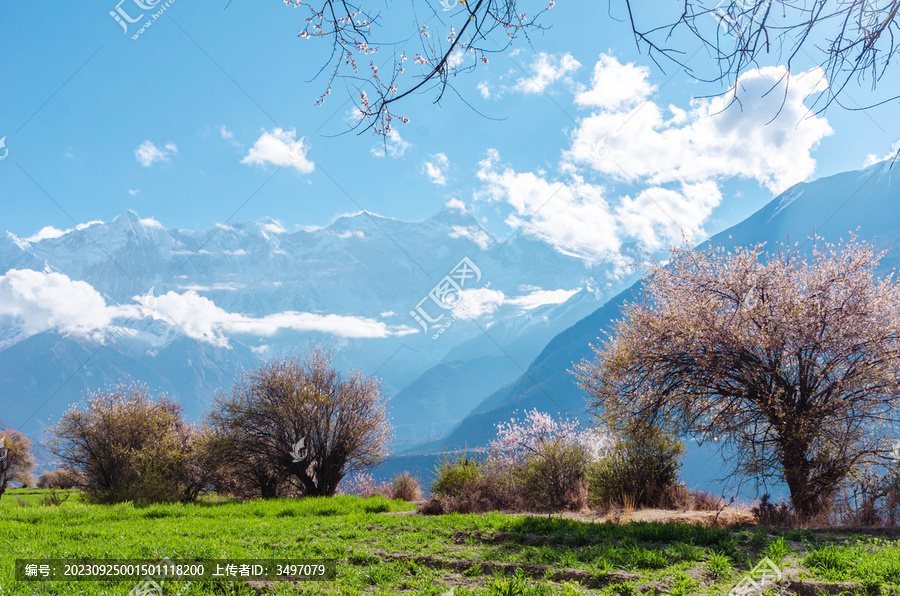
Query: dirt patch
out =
(585, 578)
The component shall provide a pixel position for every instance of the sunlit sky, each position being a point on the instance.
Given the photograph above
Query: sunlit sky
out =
(578, 138)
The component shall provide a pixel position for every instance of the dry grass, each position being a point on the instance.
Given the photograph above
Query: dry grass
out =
(728, 517)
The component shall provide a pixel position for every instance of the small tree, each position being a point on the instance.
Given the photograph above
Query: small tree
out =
(301, 420)
(16, 461)
(796, 367)
(127, 446)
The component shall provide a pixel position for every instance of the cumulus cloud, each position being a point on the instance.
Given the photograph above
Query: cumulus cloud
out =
(615, 85)
(149, 222)
(675, 159)
(395, 145)
(148, 154)
(545, 70)
(39, 302)
(281, 148)
(434, 169)
(768, 136)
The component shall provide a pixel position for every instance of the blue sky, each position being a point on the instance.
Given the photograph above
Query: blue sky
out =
(184, 123)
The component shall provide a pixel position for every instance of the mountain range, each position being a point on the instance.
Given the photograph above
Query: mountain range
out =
(466, 330)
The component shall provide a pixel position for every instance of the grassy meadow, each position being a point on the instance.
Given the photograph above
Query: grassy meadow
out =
(383, 547)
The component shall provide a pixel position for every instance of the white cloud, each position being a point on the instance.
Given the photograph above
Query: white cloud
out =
(479, 302)
(579, 221)
(227, 134)
(434, 169)
(674, 158)
(49, 232)
(148, 154)
(545, 70)
(539, 297)
(280, 148)
(272, 227)
(758, 138)
(134, 191)
(456, 204)
(40, 302)
(484, 89)
(226, 287)
(872, 158)
(350, 234)
(149, 222)
(476, 235)
(46, 233)
(201, 319)
(615, 85)
(394, 144)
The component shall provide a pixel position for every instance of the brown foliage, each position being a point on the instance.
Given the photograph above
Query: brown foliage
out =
(341, 422)
(16, 461)
(129, 447)
(60, 478)
(794, 365)
(406, 486)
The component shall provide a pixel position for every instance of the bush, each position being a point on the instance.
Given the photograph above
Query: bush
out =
(455, 475)
(769, 514)
(554, 478)
(405, 486)
(60, 478)
(129, 447)
(464, 485)
(363, 484)
(642, 465)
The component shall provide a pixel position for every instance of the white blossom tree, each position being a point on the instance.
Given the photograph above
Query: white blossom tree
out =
(792, 365)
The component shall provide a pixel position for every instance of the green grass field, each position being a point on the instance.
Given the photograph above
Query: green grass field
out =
(381, 551)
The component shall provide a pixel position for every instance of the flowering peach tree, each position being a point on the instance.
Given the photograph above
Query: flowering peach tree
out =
(792, 363)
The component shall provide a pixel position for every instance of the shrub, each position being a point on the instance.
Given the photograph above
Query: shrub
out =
(405, 486)
(59, 478)
(363, 484)
(554, 478)
(129, 447)
(769, 514)
(643, 465)
(455, 475)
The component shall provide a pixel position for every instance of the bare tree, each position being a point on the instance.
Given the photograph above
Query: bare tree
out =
(303, 421)
(849, 39)
(454, 48)
(16, 461)
(794, 367)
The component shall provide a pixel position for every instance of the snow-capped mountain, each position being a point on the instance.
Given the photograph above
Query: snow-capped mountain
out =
(866, 202)
(184, 311)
